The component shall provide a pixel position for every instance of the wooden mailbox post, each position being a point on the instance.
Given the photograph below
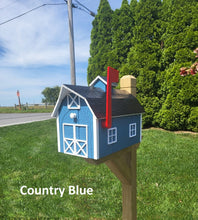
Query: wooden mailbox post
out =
(123, 165)
(103, 125)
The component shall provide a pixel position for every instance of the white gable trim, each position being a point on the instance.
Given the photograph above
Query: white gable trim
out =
(61, 96)
(140, 127)
(58, 133)
(100, 78)
(64, 91)
(96, 137)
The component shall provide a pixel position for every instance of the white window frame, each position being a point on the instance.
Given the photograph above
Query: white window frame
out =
(112, 135)
(132, 129)
(74, 100)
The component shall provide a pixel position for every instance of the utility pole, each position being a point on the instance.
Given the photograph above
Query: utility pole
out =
(71, 43)
(71, 35)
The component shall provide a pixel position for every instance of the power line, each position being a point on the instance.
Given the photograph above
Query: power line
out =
(33, 9)
(70, 6)
(27, 12)
(73, 5)
(66, 2)
(87, 9)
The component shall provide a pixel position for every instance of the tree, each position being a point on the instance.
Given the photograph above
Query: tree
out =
(145, 50)
(101, 41)
(152, 40)
(181, 28)
(50, 95)
(179, 97)
(122, 33)
(144, 56)
(180, 103)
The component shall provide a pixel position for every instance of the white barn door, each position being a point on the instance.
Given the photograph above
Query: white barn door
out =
(75, 140)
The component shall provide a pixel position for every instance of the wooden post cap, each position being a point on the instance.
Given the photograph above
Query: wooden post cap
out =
(128, 83)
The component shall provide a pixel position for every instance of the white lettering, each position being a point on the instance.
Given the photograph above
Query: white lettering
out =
(80, 191)
(30, 191)
(37, 191)
(55, 190)
(90, 191)
(21, 190)
(61, 192)
(77, 189)
(71, 190)
(43, 191)
(51, 189)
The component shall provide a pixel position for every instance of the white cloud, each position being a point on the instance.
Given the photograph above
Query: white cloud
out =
(36, 47)
(41, 37)
(38, 38)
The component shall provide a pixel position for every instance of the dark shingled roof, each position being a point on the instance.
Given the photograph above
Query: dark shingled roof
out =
(123, 103)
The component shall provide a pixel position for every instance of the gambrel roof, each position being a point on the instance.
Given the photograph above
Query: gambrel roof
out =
(123, 103)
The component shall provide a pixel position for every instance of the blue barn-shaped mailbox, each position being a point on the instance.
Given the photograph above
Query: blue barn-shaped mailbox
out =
(82, 111)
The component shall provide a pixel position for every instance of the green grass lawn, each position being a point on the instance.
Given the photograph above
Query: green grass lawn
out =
(30, 109)
(167, 177)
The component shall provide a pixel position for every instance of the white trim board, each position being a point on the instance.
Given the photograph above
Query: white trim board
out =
(75, 140)
(100, 78)
(96, 138)
(64, 91)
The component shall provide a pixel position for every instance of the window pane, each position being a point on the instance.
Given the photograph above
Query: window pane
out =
(112, 135)
(68, 131)
(81, 132)
(132, 130)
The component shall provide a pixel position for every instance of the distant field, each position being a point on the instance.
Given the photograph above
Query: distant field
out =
(167, 177)
(32, 108)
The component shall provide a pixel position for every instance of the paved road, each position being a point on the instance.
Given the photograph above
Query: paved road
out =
(22, 118)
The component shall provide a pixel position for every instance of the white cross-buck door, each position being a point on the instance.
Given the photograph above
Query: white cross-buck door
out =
(75, 139)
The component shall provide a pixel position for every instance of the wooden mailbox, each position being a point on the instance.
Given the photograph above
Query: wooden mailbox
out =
(103, 124)
(81, 115)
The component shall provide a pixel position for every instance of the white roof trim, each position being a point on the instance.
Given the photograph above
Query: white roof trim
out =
(61, 96)
(100, 78)
(118, 116)
(63, 92)
(96, 138)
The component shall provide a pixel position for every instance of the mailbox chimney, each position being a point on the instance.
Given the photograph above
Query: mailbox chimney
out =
(128, 83)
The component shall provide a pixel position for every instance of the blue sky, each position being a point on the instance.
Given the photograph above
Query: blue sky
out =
(34, 49)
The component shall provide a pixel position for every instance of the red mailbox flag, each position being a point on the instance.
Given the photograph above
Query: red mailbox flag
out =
(112, 77)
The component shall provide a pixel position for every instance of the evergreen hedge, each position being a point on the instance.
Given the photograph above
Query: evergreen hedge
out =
(152, 40)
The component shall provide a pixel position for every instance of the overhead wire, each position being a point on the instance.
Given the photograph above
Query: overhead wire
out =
(46, 4)
(73, 5)
(27, 12)
(88, 10)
